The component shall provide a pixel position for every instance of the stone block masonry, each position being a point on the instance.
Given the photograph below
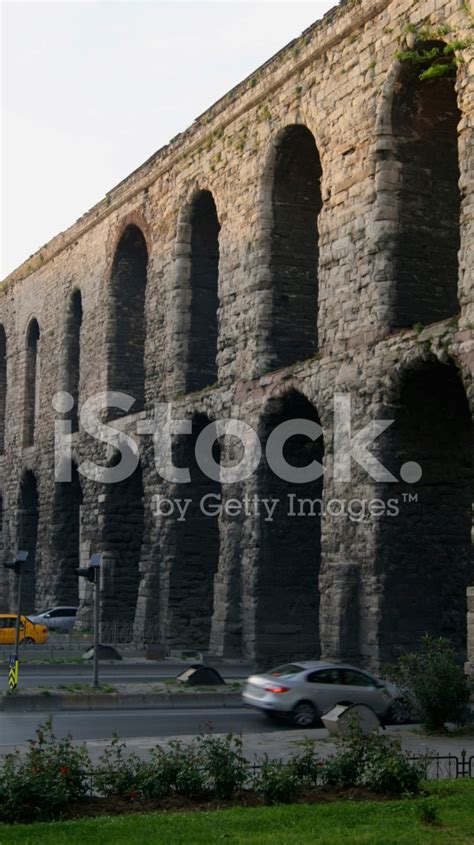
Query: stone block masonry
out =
(309, 235)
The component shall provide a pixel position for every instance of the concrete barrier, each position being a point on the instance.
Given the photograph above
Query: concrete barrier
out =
(57, 701)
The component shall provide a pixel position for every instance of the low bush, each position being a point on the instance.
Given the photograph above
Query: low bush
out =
(43, 783)
(435, 684)
(119, 773)
(225, 766)
(306, 764)
(187, 777)
(374, 762)
(159, 776)
(277, 782)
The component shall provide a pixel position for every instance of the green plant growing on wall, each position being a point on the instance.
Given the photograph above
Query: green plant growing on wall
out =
(439, 60)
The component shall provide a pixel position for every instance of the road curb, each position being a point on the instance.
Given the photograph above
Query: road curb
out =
(55, 702)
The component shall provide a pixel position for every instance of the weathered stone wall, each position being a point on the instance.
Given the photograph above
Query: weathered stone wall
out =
(341, 81)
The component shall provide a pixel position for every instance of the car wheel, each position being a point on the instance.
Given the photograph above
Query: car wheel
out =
(29, 641)
(304, 714)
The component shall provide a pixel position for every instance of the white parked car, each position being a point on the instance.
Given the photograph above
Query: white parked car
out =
(304, 691)
(59, 619)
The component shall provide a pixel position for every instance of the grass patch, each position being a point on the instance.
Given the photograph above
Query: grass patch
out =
(358, 823)
(77, 687)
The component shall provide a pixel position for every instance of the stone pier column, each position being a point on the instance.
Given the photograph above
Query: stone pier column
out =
(469, 665)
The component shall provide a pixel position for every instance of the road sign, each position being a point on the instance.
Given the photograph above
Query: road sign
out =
(13, 670)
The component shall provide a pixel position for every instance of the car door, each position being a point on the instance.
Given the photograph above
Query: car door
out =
(68, 618)
(54, 620)
(3, 631)
(360, 688)
(7, 630)
(323, 688)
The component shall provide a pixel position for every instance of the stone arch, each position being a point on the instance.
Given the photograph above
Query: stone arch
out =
(123, 529)
(71, 367)
(128, 281)
(31, 382)
(198, 281)
(28, 518)
(293, 200)
(196, 550)
(418, 206)
(424, 552)
(66, 537)
(289, 546)
(3, 386)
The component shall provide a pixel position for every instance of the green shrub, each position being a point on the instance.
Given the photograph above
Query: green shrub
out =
(386, 769)
(277, 782)
(42, 784)
(342, 768)
(187, 777)
(374, 762)
(436, 686)
(159, 776)
(306, 764)
(118, 772)
(225, 767)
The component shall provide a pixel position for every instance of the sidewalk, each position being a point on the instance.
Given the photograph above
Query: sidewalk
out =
(284, 742)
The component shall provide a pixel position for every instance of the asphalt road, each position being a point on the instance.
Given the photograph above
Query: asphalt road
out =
(53, 675)
(18, 728)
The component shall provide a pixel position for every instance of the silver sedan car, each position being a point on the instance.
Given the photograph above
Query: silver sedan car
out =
(60, 619)
(304, 691)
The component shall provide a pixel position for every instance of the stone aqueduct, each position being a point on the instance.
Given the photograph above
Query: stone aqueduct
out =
(310, 234)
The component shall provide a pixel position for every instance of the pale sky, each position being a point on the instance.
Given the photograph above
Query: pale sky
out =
(91, 89)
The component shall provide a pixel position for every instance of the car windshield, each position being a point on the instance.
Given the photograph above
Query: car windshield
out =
(48, 609)
(286, 670)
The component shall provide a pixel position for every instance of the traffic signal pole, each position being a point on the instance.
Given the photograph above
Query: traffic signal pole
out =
(17, 624)
(92, 574)
(14, 662)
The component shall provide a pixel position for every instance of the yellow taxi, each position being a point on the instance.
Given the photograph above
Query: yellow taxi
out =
(29, 632)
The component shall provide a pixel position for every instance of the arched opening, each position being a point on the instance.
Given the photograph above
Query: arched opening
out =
(127, 307)
(123, 539)
(201, 367)
(72, 362)
(196, 550)
(31, 383)
(294, 247)
(3, 386)
(66, 535)
(424, 554)
(425, 116)
(27, 538)
(289, 558)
